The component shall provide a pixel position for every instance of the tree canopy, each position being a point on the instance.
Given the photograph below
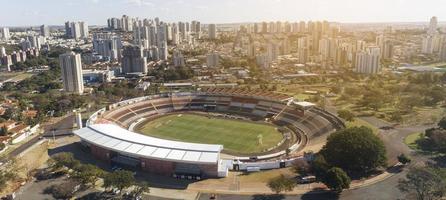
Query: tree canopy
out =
(281, 184)
(356, 150)
(120, 179)
(336, 179)
(425, 183)
(442, 123)
(346, 115)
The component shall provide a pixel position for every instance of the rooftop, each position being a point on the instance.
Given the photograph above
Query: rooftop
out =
(115, 138)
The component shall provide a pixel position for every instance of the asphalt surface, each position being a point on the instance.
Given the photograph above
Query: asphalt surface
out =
(382, 190)
(63, 127)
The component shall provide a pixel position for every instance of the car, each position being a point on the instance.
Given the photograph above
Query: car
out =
(306, 179)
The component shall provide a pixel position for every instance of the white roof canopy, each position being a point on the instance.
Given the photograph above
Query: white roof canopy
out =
(115, 138)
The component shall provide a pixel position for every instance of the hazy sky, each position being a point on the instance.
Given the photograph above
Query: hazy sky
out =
(95, 12)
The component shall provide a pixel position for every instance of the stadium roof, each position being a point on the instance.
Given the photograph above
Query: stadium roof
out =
(115, 138)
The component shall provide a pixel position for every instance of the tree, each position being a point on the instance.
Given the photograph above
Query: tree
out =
(88, 174)
(281, 184)
(336, 179)
(120, 179)
(442, 123)
(63, 191)
(436, 139)
(356, 150)
(301, 167)
(63, 160)
(426, 183)
(140, 188)
(3, 131)
(319, 166)
(402, 158)
(346, 115)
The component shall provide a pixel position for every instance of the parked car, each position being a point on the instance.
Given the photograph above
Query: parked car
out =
(306, 179)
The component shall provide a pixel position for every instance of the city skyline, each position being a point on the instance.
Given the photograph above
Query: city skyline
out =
(95, 12)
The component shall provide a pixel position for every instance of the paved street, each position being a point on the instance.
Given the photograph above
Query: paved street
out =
(385, 189)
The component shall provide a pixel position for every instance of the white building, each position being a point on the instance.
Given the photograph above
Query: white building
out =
(71, 69)
(107, 45)
(427, 46)
(368, 61)
(5, 33)
(212, 31)
(76, 30)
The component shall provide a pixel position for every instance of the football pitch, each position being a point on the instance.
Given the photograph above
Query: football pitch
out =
(235, 135)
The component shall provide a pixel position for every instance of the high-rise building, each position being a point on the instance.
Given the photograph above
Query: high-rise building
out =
(45, 31)
(161, 35)
(163, 50)
(212, 59)
(5, 33)
(7, 61)
(443, 52)
(432, 26)
(32, 41)
(84, 29)
(303, 55)
(107, 45)
(368, 61)
(212, 30)
(264, 27)
(76, 30)
(133, 60)
(71, 69)
(302, 27)
(2, 51)
(178, 59)
(67, 29)
(427, 46)
(126, 23)
(114, 23)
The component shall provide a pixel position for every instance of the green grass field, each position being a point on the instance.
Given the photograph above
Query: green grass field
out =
(236, 136)
(411, 139)
(360, 122)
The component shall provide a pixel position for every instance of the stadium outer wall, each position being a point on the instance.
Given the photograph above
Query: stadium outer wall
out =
(155, 166)
(166, 167)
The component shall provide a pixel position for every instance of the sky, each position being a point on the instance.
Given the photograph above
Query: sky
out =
(96, 12)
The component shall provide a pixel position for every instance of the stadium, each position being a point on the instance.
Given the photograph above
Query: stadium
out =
(205, 134)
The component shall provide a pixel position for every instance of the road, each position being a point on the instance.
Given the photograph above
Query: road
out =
(385, 189)
(63, 127)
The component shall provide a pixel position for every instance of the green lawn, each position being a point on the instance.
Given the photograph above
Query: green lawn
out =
(360, 122)
(411, 139)
(236, 136)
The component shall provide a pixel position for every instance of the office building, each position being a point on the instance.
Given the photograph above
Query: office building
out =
(71, 70)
